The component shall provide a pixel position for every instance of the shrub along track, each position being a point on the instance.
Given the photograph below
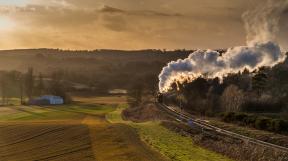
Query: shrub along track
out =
(185, 117)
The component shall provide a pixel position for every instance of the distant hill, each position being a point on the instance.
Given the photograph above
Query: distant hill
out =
(45, 59)
(105, 69)
(96, 69)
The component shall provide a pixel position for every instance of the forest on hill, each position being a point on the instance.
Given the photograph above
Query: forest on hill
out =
(93, 72)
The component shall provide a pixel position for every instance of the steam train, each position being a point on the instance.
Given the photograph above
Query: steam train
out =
(159, 97)
(166, 97)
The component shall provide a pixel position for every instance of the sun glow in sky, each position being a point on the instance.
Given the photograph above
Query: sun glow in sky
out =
(14, 2)
(125, 24)
(6, 23)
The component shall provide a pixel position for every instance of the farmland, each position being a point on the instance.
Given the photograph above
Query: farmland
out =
(89, 129)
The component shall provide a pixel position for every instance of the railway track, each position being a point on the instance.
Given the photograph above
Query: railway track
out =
(186, 118)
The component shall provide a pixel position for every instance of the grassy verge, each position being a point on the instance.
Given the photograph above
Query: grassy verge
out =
(168, 143)
(64, 112)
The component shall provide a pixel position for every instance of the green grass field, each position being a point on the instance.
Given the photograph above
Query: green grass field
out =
(64, 112)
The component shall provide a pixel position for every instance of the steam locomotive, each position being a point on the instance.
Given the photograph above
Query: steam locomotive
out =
(166, 97)
(159, 97)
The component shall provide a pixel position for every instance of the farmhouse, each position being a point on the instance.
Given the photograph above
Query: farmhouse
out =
(117, 91)
(47, 100)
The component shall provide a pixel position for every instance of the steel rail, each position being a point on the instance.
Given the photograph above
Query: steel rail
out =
(185, 117)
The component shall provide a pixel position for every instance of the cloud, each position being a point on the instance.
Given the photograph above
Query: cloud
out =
(125, 24)
(120, 20)
(13, 2)
(115, 23)
(108, 9)
(262, 24)
(112, 10)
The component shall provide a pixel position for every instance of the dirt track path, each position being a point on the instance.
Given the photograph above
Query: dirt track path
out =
(117, 142)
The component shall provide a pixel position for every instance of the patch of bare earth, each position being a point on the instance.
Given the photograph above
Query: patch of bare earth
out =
(118, 142)
(27, 142)
(92, 139)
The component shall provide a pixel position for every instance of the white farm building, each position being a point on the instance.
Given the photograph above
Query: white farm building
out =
(47, 100)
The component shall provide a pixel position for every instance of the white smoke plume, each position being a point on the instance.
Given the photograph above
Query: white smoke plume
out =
(261, 50)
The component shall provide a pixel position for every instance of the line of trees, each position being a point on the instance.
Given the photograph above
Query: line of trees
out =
(142, 88)
(245, 92)
(27, 85)
(263, 91)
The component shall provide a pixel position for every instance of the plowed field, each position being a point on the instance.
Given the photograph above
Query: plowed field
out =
(76, 132)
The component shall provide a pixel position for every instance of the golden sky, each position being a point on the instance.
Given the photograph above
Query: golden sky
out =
(125, 24)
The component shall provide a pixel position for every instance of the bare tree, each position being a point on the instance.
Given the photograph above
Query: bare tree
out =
(182, 100)
(29, 83)
(40, 87)
(135, 95)
(4, 89)
(232, 98)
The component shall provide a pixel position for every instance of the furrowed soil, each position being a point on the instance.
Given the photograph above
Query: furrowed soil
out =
(71, 132)
(24, 142)
(117, 142)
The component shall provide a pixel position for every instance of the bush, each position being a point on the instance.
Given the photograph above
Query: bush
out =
(234, 117)
(262, 106)
(279, 125)
(240, 117)
(221, 115)
(259, 122)
(263, 123)
(250, 120)
(229, 117)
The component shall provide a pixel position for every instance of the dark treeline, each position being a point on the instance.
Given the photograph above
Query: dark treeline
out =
(26, 85)
(263, 92)
(95, 71)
